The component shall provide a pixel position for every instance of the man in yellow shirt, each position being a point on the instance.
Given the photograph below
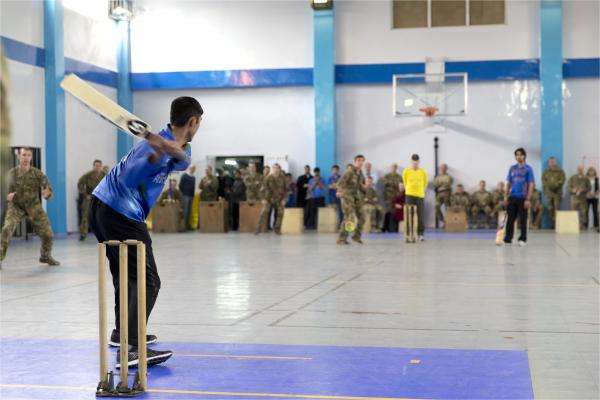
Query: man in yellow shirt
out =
(415, 182)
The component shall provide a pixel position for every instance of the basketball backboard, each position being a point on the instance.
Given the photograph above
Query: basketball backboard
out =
(415, 95)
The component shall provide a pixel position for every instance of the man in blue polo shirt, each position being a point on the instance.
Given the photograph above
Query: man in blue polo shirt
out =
(520, 184)
(122, 201)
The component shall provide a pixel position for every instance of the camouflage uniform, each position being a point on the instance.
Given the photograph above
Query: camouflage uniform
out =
(26, 202)
(86, 185)
(553, 180)
(175, 195)
(4, 129)
(209, 186)
(390, 189)
(373, 207)
(443, 191)
(274, 191)
(497, 202)
(351, 184)
(460, 202)
(579, 202)
(253, 183)
(482, 201)
(537, 209)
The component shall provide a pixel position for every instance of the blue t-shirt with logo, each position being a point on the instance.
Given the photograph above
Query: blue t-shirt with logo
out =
(519, 176)
(132, 187)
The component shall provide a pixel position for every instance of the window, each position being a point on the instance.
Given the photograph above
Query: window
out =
(410, 13)
(486, 12)
(436, 13)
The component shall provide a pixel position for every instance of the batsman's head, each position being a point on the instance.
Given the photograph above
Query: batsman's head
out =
(186, 113)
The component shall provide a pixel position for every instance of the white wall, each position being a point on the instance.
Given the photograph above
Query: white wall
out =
(581, 28)
(23, 20)
(91, 40)
(364, 36)
(268, 121)
(221, 35)
(581, 124)
(474, 147)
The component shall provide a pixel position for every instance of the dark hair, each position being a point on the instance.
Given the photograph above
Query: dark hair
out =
(414, 157)
(96, 160)
(359, 156)
(288, 174)
(184, 108)
(307, 166)
(522, 151)
(317, 169)
(336, 166)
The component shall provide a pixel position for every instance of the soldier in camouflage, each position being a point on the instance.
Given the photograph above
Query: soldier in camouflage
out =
(460, 200)
(24, 184)
(390, 187)
(209, 186)
(274, 196)
(86, 185)
(253, 183)
(536, 208)
(351, 189)
(579, 186)
(442, 185)
(553, 180)
(373, 207)
(482, 201)
(498, 200)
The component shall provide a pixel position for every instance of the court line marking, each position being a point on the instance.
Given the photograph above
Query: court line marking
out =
(245, 357)
(207, 393)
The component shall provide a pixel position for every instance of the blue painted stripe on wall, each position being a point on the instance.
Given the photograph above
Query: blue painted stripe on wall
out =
(581, 68)
(222, 79)
(23, 52)
(35, 56)
(345, 74)
(91, 72)
(496, 69)
(374, 73)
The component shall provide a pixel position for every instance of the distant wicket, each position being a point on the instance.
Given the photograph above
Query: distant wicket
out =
(106, 386)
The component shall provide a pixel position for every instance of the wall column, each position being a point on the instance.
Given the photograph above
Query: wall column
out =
(324, 87)
(55, 142)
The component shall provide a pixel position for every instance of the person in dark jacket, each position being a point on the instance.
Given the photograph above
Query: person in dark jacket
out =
(302, 186)
(237, 194)
(187, 185)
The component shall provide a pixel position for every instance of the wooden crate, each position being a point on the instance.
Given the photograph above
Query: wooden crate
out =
(249, 215)
(213, 216)
(167, 217)
(567, 222)
(293, 221)
(456, 221)
(328, 220)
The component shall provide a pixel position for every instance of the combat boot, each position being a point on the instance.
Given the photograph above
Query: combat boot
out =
(48, 260)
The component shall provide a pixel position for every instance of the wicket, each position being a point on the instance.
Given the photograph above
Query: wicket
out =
(106, 386)
(410, 223)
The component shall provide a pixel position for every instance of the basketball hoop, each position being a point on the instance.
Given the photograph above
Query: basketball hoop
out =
(429, 111)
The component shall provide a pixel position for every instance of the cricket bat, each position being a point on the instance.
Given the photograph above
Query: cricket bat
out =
(500, 232)
(105, 107)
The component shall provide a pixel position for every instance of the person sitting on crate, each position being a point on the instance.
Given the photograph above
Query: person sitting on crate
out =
(121, 203)
(173, 196)
(399, 202)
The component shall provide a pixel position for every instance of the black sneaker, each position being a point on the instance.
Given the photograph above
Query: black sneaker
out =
(154, 357)
(48, 260)
(114, 339)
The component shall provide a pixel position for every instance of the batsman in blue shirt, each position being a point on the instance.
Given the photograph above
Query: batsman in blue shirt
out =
(122, 201)
(519, 187)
